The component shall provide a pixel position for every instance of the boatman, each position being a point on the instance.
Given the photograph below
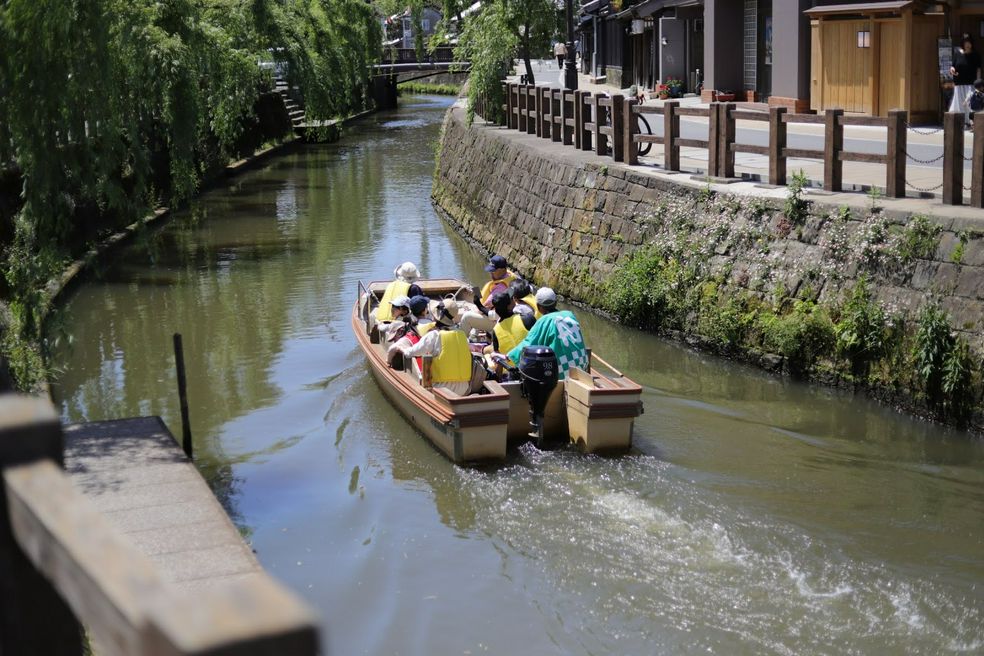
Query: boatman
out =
(558, 330)
(452, 366)
(404, 285)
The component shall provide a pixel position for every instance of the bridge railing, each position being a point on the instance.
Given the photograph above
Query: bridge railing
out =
(62, 566)
(440, 55)
(610, 126)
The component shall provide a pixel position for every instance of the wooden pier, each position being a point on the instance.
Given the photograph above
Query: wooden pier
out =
(130, 544)
(136, 474)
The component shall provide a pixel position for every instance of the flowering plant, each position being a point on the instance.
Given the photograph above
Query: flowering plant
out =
(663, 91)
(674, 86)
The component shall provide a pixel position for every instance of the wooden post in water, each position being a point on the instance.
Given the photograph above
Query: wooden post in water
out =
(186, 443)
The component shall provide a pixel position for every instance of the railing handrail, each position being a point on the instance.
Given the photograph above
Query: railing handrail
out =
(67, 553)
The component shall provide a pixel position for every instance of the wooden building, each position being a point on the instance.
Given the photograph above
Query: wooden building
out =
(872, 57)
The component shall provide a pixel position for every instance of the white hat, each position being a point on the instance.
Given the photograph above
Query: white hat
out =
(451, 310)
(401, 301)
(546, 297)
(407, 272)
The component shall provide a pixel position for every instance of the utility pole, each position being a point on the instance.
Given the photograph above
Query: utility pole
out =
(570, 61)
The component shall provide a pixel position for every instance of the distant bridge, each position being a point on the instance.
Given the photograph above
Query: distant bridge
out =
(402, 65)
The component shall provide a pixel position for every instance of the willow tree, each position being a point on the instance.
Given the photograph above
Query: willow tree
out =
(108, 107)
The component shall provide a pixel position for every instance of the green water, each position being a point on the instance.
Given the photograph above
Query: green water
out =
(757, 516)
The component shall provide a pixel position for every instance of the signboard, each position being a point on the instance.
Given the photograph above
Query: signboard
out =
(944, 47)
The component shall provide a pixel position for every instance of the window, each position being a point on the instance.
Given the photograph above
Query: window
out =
(425, 24)
(864, 39)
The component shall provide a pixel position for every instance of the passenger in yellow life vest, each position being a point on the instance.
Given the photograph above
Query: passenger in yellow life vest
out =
(404, 285)
(525, 301)
(452, 367)
(512, 327)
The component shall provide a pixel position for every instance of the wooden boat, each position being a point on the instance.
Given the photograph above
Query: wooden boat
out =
(594, 411)
(466, 428)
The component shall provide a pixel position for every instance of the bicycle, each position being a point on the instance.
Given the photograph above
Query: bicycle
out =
(644, 128)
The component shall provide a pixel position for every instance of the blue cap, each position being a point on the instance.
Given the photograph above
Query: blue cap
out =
(496, 262)
(418, 304)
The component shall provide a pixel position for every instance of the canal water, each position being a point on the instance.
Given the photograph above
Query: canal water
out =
(756, 515)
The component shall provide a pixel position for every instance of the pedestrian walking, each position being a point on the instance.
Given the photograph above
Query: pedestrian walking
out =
(966, 69)
(560, 51)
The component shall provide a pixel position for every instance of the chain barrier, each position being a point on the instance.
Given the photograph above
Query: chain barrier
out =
(927, 133)
(923, 161)
(924, 190)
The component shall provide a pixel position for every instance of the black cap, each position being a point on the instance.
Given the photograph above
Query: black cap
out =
(501, 302)
(496, 262)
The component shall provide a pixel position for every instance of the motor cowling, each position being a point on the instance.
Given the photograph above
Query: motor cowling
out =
(538, 370)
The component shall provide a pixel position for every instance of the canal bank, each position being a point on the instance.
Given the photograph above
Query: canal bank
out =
(886, 296)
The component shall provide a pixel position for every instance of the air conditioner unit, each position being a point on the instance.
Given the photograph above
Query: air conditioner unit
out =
(638, 26)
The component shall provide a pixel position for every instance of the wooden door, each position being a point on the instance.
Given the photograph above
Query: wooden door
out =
(816, 68)
(847, 70)
(892, 52)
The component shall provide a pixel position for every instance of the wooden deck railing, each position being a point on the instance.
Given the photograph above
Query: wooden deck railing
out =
(609, 126)
(62, 565)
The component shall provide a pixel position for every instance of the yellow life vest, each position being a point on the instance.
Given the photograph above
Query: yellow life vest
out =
(424, 328)
(454, 364)
(385, 310)
(510, 332)
(504, 280)
(531, 301)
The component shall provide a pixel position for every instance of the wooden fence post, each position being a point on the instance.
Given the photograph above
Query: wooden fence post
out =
(600, 140)
(507, 109)
(726, 134)
(34, 619)
(618, 104)
(895, 152)
(714, 140)
(953, 142)
(977, 173)
(777, 145)
(538, 104)
(582, 137)
(833, 141)
(521, 99)
(514, 105)
(556, 114)
(533, 120)
(567, 114)
(630, 128)
(546, 117)
(671, 130)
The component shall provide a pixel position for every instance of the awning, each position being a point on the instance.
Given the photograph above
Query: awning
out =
(594, 6)
(647, 8)
(584, 23)
(866, 8)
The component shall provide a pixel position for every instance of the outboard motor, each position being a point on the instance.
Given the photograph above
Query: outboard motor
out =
(538, 369)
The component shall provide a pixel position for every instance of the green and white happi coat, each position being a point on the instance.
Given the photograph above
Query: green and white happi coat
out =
(561, 332)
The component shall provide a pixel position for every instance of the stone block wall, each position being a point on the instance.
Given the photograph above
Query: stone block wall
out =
(566, 219)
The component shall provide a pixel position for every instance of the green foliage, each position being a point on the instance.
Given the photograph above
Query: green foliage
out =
(801, 336)
(651, 290)
(862, 330)
(795, 207)
(957, 255)
(427, 88)
(941, 364)
(919, 239)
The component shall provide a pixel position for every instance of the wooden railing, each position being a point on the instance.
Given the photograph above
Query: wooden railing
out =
(441, 55)
(62, 566)
(609, 126)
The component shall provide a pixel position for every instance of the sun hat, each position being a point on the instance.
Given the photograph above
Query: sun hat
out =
(401, 301)
(546, 297)
(444, 311)
(496, 262)
(407, 271)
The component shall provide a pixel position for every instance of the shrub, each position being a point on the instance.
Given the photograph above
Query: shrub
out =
(861, 330)
(795, 207)
(919, 239)
(801, 336)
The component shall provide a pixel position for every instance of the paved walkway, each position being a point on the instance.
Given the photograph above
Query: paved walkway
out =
(138, 476)
(924, 169)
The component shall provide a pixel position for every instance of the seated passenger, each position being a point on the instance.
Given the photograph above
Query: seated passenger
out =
(558, 330)
(500, 278)
(400, 311)
(404, 285)
(525, 301)
(512, 327)
(452, 367)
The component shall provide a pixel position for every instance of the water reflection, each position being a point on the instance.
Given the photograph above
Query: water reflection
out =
(756, 515)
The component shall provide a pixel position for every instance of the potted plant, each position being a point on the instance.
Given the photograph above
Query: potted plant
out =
(724, 96)
(675, 87)
(663, 91)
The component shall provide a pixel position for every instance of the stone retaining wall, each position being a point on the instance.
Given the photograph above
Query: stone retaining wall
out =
(567, 218)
